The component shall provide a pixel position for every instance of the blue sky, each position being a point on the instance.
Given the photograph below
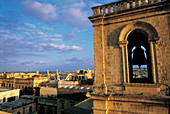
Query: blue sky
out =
(46, 34)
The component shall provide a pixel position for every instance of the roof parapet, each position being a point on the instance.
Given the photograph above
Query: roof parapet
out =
(123, 5)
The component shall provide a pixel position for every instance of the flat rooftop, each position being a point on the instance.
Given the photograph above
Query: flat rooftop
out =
(15, 104)
(2, 90)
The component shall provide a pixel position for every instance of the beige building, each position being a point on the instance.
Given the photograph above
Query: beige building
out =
(65, 98)
(8, 95)
(127, 35)
(21, 106)
(48, 91)
(18, 75)
(22, 83)
(79, 75)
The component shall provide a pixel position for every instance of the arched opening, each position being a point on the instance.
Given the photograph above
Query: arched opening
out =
(30, 109)
(49, 110)
(4, 99)
(139, 57)
(41, 110)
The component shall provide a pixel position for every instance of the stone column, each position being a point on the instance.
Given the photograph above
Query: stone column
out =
(123, 46)
(154, 61)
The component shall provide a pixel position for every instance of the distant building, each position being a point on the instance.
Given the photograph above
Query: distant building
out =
(80, 75)
(56, 100)
(22, 83)
(48, 91)
(8, 95)
(21, 106)
(65, 98)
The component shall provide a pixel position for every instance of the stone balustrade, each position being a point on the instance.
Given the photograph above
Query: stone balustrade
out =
(120, 6)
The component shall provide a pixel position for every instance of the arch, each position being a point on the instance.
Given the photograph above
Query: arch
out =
(41, 110)
(49, 110)
(30, 109)
(150, 31)
(152, 37)
(4, 99)
(139, 55)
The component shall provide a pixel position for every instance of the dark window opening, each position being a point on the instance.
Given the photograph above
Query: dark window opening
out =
(62, 105)
(30, 109)
(49, 110)
(4, 99)
(139, 57)
(41, 110)
(10, 99)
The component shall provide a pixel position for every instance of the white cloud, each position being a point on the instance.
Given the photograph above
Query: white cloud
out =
(52, 46)
(42, 11)
(20, 29)
(34, 63)
(40, 33)
(75, 17)
(7, 61)
(29, 25)
(27, 33)
(47, 28)
(4, 32)
(68, 62)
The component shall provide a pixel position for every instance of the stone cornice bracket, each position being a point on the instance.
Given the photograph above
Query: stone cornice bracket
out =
(122, 43)
(155, 39)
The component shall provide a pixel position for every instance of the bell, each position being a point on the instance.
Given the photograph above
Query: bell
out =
(139, 56)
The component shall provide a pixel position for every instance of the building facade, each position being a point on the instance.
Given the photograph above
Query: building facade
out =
(23, 83)
(21, 106)
(131, 35)
(8, 95)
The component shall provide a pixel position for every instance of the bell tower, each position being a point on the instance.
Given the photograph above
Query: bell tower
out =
(131, 57)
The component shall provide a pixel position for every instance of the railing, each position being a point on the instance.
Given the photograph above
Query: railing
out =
(119, 6)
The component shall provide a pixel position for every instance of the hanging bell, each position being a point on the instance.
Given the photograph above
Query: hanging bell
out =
(139, 56)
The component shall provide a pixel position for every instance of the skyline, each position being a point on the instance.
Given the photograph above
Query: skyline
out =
(46, 34)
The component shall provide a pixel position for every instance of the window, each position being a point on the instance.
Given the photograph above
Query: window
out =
(62, 105)
(41, 110)
(49, 110)
(30, 109)
(23, 110)
(139, 58)
(4, 99)
(139, 36)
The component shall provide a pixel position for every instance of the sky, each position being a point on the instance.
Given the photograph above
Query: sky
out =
(46, 34)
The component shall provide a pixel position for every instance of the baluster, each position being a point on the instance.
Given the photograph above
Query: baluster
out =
(125, 5)
(155, 1)
(131, 4)
(104, 10)
(149, 1)
(136, 3)
(143, 2)
(99, 10)
(96, 11)
(109, 9)
(114, 8)
(119, 7)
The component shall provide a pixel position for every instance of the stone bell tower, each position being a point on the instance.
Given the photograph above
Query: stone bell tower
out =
(131, 57)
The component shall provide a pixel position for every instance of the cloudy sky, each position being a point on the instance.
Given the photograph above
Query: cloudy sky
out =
(46, 34)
